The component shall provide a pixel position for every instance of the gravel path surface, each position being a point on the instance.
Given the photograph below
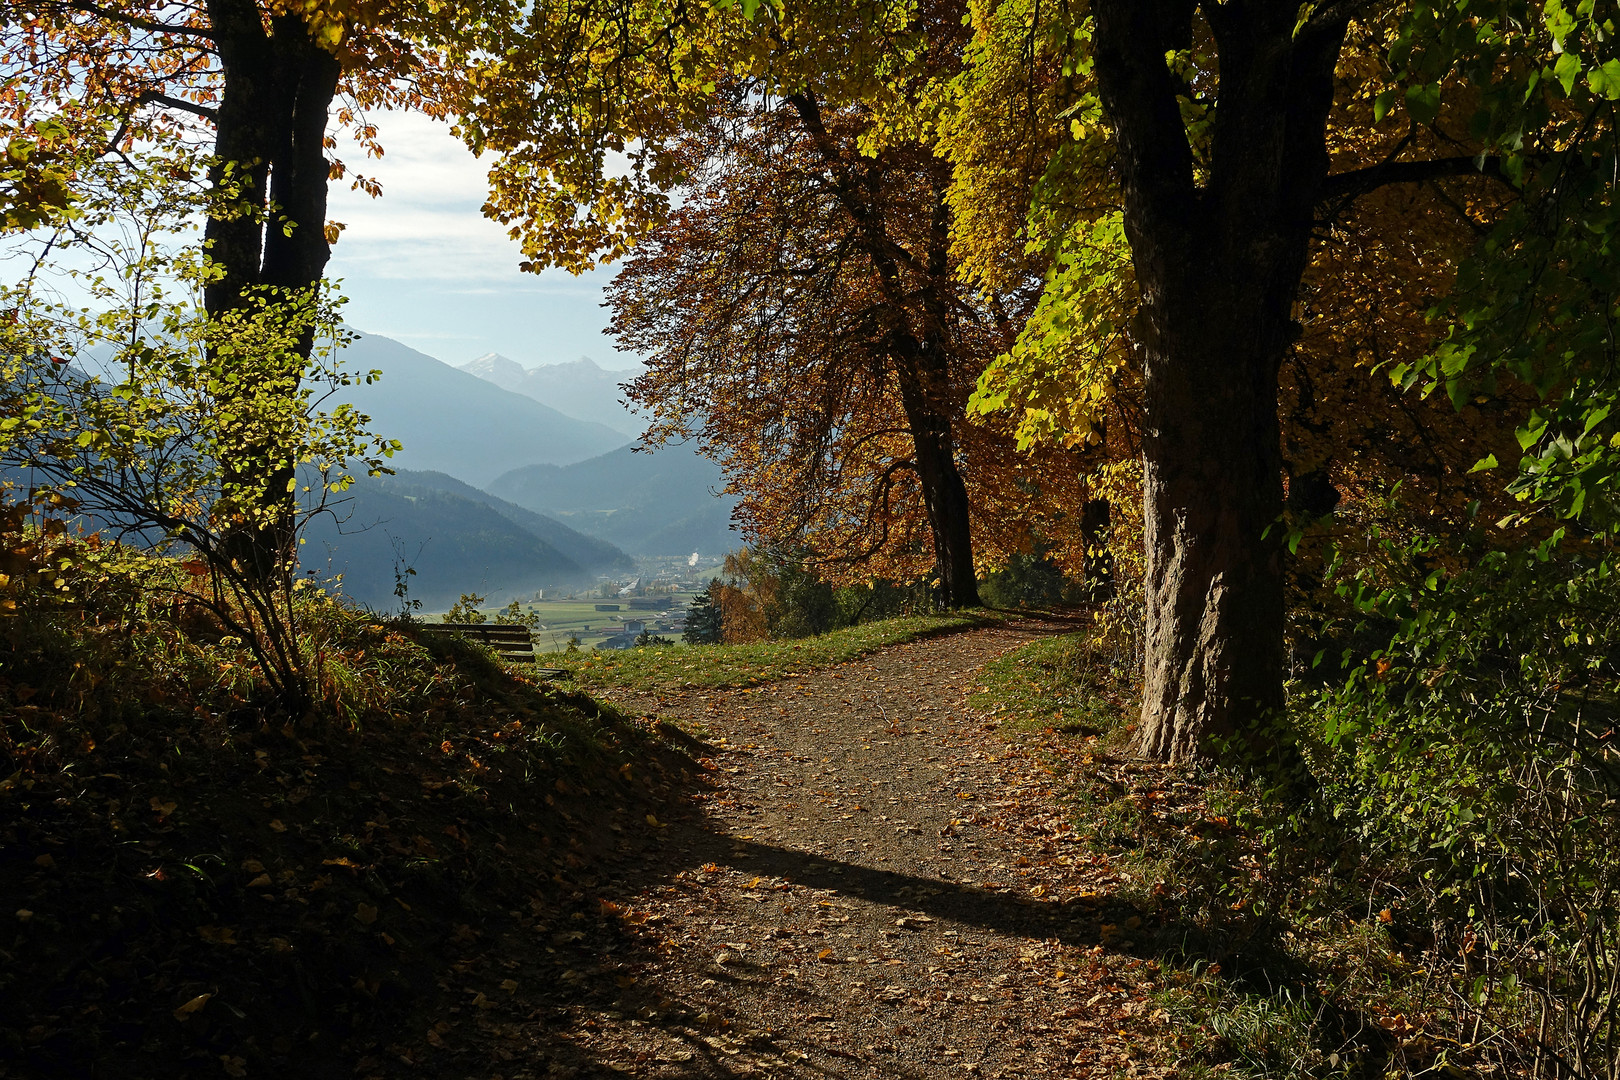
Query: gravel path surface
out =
(875, 884)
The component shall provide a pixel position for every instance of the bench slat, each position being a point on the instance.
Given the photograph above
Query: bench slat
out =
(506, 640)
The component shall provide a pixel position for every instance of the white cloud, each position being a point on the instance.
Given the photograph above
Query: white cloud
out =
(423, 265)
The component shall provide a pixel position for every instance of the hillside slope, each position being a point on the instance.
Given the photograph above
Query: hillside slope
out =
(455, 545)
(589, 552)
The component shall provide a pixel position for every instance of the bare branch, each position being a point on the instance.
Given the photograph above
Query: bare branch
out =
(152, 97)
(138, 23)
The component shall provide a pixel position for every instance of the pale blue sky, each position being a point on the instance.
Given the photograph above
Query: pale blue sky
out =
(421, 265)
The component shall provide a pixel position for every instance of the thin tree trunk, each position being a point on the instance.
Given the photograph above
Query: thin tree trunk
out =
(1098, 560)
(918, 346)
(944, 492)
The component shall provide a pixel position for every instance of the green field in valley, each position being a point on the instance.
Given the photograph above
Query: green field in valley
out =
(560, 619)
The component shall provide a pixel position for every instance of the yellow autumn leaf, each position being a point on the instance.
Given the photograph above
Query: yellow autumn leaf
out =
(654, 822)
(277, 826)
(194, 1005)
(509, 985)
(365, 913)
(260, 882)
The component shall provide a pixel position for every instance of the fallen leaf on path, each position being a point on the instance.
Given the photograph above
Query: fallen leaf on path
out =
(194, 1005)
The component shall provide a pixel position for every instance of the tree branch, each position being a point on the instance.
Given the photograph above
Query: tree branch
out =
(138, 23)
(1357, 182)
(153, 97)
(1139, 97)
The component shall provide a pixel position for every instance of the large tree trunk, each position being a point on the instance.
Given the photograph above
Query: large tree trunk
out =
(1212, 493)
(269, 229)
(1219, 264)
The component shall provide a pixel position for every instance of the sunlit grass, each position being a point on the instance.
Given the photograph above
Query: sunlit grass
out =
(655, 668)
(1056, 683)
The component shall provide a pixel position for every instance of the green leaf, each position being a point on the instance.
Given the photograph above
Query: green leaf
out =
(1605, 81)
(1423, 102)
(1381, 104)
(1485, 463)
(1567, 70)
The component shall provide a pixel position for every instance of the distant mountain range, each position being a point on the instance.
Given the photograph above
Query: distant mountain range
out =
(579, 389)
(661, 502)
(458, 539)
(455, 422)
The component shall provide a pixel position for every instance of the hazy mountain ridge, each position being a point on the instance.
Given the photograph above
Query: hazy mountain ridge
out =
(457, 538)
(454, 544)
(662, 502)
(454, 422)
(580, 388)
(590, 552)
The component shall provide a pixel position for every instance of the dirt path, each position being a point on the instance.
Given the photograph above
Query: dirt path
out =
(875, 885)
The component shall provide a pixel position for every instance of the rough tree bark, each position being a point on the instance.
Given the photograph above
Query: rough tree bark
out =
(1219, 262)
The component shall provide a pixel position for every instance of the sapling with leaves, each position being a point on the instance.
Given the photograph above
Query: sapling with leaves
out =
(158, 420)
(465, 610)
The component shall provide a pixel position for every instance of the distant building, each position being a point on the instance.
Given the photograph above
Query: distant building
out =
(607, 607)
(648, 603)
(618, 641)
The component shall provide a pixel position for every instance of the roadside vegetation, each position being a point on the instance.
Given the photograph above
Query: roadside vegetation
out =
(1304, 930)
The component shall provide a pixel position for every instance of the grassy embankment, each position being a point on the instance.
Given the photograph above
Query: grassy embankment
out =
(1277, 957)
(190, 879)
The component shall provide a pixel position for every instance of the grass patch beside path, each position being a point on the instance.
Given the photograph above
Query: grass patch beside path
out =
(674, 667)
(1057, 683)
(1272, 942)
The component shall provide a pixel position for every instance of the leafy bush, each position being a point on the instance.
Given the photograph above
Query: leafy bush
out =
(775, 593)
(1475, 754)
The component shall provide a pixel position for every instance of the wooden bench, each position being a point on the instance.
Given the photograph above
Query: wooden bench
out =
(508, 641)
